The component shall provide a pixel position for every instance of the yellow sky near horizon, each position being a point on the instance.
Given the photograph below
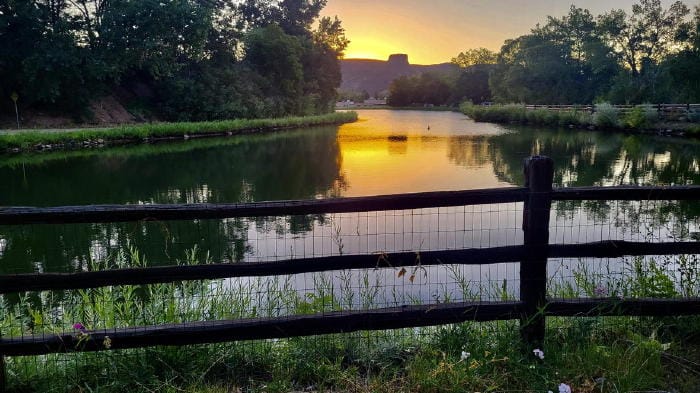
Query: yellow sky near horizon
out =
(434, 31)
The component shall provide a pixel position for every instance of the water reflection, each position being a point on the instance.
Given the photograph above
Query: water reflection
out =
(386, 152)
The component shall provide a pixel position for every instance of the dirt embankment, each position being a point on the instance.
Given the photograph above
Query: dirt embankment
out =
(104, 112)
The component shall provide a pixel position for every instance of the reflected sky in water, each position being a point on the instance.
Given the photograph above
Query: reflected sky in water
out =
(385, 152)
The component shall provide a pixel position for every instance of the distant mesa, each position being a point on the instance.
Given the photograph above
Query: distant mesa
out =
(375, 76)
(398, 60)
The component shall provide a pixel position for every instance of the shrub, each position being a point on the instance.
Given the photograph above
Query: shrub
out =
(640, 117)
(605, 116)
(694, 116)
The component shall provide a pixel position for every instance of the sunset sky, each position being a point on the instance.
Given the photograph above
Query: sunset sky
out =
(434, 31)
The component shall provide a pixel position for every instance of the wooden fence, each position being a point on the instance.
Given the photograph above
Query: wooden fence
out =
(531, 309)
(665, 111)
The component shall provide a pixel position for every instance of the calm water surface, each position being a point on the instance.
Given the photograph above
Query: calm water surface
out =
(385, 152)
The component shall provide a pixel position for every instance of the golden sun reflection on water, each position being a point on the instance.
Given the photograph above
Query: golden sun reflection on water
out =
(389, 152)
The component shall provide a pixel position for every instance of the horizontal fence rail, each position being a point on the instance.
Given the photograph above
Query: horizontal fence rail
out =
(264, 328)
(124, 213)
(14, 283)
(533, 255)
(332, 322)
(669, 108)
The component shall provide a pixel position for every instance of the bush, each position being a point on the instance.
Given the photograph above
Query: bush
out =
(641, 117)
(694, 116)
(605, 116)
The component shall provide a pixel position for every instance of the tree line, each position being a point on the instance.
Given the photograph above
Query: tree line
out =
(177, 59)
(651, 54)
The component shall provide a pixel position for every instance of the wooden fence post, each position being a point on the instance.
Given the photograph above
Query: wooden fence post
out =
(539, 175)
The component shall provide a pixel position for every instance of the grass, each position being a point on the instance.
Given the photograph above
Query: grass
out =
(605, 117)
(33, 140)
(615, 354)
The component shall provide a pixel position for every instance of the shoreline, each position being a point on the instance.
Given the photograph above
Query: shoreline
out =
(517, 115)
(72, 139)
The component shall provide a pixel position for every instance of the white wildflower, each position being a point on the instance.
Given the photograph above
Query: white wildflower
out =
(464, 356)
(564, 388)
(538, 353)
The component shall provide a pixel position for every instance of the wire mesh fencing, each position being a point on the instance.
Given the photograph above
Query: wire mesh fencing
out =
(51, 318)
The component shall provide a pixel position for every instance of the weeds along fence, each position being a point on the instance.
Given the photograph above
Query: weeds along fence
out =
(665, 111)
(531, 307)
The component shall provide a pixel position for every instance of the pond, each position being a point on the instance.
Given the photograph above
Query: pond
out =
(385, 152)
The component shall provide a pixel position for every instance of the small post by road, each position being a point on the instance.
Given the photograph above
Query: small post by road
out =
(539, 175)
(14, 96)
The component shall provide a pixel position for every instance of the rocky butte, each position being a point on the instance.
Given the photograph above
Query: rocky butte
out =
(374, 76)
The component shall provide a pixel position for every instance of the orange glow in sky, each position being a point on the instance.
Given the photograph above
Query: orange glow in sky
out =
(434, 31)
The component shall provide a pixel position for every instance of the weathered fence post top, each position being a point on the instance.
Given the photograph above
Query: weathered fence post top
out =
(539, 173)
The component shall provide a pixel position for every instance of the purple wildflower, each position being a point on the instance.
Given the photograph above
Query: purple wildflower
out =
(601, 291)
(79, 326)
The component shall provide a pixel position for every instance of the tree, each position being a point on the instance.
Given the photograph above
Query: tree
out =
(472, 57)
(426, 88)
(683, 66)
(277, 57)
(562, 62)
(331, 33)
(473, 85)
(648, 34)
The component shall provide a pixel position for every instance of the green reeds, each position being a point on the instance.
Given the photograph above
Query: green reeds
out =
(615, 354)
(605, 116)
(30, 140)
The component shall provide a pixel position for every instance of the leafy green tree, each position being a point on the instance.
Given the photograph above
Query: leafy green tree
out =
(683, 66)
(330, 33)
(562, 62)
(472, 84)
(277, 57)
(426, 88)
(476, 56)
(648, 34)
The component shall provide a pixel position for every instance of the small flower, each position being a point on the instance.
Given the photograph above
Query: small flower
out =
(549, 391)
(464, 356)
(564, 388)
(538, 353)
(79, 326)
(601, 291)
(107, 342)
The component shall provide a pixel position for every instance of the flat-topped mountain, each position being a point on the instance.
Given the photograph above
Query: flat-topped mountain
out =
(375, 76)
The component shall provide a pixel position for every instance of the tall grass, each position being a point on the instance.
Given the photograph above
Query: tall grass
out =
(133, 133)
(588, 354)
(605, 117)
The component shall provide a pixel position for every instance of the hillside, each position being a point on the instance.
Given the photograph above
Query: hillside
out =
(375, 76)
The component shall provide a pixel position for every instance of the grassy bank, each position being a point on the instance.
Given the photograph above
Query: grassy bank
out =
(587, 354)
(37, 140)
(606, 117)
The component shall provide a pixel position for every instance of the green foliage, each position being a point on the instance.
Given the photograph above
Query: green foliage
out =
(606, 116)
(255, 58)
(608, 354)
(651, 280)
(421, 89)
(519, 114)
(472, 84)
(641, 117)
(30, 139)
(472, 57)
(649, 55)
